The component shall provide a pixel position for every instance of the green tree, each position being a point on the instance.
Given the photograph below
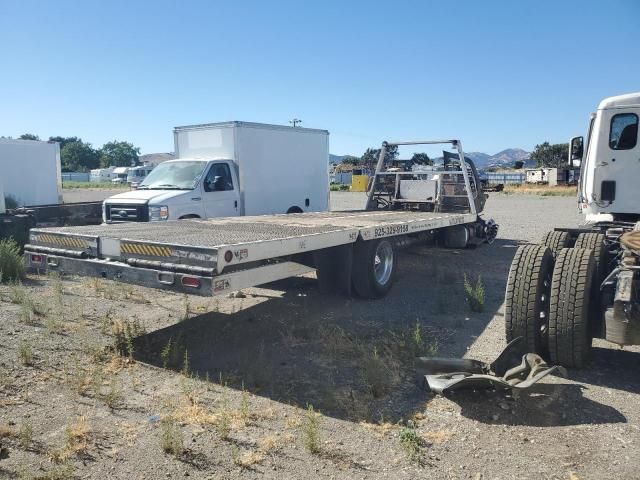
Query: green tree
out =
(518, 164)
(546, 155)
(29, 136)
(64, 141)
(119, 154)
(421, 159)
(77, 156)
(351, 160)
(370, 156)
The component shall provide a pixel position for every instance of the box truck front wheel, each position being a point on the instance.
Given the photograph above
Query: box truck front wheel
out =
(374, 268)
(527, 298)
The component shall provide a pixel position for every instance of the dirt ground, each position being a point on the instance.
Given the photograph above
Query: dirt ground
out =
(76, 195)
(101, 380)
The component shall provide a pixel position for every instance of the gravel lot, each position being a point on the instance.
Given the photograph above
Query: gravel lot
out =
(238, 408)
(77, 195)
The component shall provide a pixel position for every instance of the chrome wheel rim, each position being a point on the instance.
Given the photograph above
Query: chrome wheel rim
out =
(383, 263)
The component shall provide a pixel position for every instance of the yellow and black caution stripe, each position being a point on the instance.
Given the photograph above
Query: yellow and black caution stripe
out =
(142, 249)
(70, 242)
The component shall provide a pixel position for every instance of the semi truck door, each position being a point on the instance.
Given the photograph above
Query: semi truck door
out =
(220, 195)
(618, 174)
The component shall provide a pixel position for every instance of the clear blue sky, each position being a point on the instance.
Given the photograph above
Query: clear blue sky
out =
(496, 74)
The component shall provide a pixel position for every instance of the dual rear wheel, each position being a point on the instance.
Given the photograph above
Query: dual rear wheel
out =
(374, 268)
(552, 296)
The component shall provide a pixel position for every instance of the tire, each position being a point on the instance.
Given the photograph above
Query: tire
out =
(571, 307)
(374, 268)
(456, 237)
(294, 209)
(556, 241)
(527, 297)
(596, 243)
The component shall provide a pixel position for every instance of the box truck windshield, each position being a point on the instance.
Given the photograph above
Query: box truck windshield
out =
(180, 175)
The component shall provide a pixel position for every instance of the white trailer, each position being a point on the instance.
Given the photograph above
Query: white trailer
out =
(120, 175)
(351, 251)
(30, 171)
(232, 169)
(101, 175)
(136, 175)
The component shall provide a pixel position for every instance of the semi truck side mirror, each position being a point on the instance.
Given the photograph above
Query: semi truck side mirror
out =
(576, 150)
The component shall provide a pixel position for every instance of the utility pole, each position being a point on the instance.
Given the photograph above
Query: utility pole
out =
(295, 122)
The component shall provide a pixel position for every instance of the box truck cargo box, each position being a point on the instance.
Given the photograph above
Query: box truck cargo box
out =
(30, 171)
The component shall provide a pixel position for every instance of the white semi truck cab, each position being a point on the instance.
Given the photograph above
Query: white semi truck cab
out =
(583, 283)
(231, 169)
(610, 161)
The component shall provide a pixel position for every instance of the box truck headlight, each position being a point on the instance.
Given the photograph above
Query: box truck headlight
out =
(160, 212)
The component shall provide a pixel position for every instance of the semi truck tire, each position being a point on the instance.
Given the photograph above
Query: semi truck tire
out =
(556, 241)
(595, 242)
(374, 268)
(527, 297)
(571, 307)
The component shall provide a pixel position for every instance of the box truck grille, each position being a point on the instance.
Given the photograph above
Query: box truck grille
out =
(127, 213)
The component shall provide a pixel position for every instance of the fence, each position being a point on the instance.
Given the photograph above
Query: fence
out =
(510, 178)
(75, 177)
(343, 178)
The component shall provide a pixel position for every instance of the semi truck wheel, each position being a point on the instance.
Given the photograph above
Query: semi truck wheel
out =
(556, 241)
(571, 307)
(527, 297)
(595, 242)
(374, 268)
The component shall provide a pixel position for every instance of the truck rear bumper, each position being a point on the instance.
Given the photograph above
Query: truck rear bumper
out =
(120, 272)
(165, 280)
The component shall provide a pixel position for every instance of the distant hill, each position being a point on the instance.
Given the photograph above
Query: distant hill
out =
(155, 158)
(478, 158)
(504, 158)
(335, 158)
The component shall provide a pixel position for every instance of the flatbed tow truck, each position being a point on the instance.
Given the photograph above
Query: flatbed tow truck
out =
(352, 251)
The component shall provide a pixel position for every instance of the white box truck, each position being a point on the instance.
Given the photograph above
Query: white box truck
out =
(231, 169)
(30, 171)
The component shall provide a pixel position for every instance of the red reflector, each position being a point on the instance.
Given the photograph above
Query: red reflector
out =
(193, 282)
(36, 258)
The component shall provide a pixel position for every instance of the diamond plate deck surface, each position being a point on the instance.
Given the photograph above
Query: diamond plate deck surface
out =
(214, 233)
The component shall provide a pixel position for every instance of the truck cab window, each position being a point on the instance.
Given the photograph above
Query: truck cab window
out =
(624, 131)
(218, 178)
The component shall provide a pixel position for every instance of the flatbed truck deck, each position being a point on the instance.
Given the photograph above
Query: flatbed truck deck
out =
(349, 249)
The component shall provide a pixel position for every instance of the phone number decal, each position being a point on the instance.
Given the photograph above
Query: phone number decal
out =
(390, 230)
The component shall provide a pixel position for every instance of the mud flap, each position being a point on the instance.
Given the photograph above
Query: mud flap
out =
(333, 269)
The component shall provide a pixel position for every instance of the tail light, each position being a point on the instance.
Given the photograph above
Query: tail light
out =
(191, 282)
(35, 258)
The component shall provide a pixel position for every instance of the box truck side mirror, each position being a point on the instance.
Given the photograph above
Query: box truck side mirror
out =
(576, 150)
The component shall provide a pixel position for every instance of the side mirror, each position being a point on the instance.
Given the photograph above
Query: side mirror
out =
(576, 150)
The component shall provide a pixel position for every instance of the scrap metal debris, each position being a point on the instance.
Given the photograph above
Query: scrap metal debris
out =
(511, 370)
